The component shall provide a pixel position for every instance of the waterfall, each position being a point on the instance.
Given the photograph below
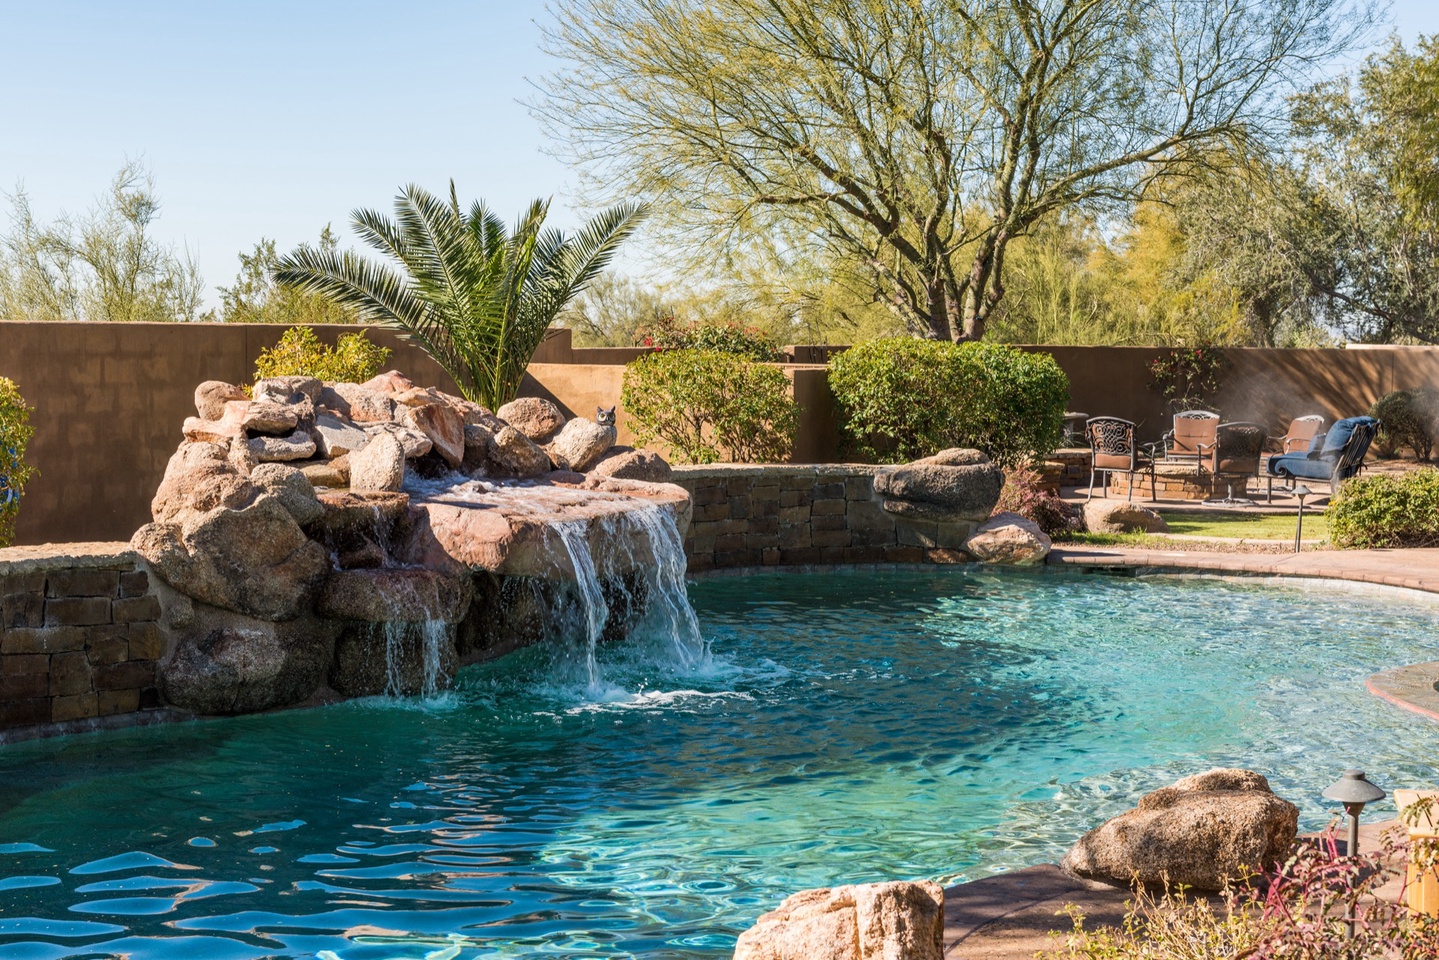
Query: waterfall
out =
(431, 635)
(646, 542)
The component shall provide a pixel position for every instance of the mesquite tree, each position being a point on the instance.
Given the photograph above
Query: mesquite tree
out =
(917, 138)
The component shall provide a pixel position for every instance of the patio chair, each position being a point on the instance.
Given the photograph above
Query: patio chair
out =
(1192, 435)
(1113, 450)
(1334, 456)
(1235, 452)
(1301, 431)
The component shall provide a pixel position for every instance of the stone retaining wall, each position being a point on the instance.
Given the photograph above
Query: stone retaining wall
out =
(751, 516)
(79, 637)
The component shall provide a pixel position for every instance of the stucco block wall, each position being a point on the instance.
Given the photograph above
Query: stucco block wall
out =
(79, 635)
(773, 515)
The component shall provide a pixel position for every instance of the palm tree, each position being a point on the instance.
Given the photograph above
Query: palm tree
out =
(475, 297)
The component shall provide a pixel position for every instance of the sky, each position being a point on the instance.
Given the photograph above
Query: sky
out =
(273, 119)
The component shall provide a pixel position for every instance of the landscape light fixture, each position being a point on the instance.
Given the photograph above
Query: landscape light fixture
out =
(1353, 791)
(1301, 492)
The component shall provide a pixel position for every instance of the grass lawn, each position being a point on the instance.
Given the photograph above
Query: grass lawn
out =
(1272, 527)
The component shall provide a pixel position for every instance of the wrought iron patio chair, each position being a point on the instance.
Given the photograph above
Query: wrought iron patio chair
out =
(1301, 431)
(1235, 453)
(1114, 450)
(1334, 456)
(1192, 433)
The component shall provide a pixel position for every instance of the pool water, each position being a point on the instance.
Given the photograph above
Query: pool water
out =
(849, 726)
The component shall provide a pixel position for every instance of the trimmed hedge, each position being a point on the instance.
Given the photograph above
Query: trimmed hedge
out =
(900, 399)
(15, 433)
(709, 406)
(1386, 510)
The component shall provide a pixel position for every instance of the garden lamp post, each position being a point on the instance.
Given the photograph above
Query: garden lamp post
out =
(1353, 791)
(1301, 492)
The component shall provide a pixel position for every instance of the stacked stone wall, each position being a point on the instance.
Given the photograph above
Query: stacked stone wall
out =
(772, 515)
(79, 635)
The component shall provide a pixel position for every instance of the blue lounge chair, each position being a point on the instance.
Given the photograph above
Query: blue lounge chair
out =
(1334, 456)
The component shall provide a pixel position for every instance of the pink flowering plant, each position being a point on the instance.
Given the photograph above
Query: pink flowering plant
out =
(1188, 377)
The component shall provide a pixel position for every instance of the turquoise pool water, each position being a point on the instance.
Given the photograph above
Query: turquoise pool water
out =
(849, 726)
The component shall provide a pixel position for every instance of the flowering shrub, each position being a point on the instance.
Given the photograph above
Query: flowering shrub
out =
(300, 353)
(15, 433)
(1188, 377)
(1025, 494)
(669, 333)
(710, 406)
(1300, 916)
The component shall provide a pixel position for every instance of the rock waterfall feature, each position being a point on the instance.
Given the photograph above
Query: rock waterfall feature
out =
(320, 540)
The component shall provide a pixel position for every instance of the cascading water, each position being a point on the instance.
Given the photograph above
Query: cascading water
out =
(644, 541)
(431, 634)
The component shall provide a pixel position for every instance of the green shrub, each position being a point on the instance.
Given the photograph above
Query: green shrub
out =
(668, 333)
(15, 433)
(900, 399)
(710, 406)
(353, 358)
(1407, 418)
(1386, 510)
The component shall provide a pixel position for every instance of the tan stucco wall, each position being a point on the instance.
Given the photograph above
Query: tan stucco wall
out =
(110, 398)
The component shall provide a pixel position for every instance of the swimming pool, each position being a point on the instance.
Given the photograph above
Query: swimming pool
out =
(850, 726)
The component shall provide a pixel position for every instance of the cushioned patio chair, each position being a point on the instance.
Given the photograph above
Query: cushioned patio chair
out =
(1334, 456)
(1301, 431)
(1113, 450)
(1192, 434)
(1234, 454)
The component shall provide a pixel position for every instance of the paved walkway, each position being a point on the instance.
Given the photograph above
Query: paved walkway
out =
(1013, 916)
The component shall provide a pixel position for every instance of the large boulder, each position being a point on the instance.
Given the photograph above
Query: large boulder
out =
(535, 417)
(291, 488)
(327, 473)
(1008, 538)
(256, 560)
(898, 920)
(335, 436)
(288, 389)
(416, 444)
(226, 663)
(952, 486)
(276, 419)
(1122, 516)
(200, 477)
(211, 397)
(297, 446)
(360, 403)
(626, 463)
(389, 382)
(580, 444)
(1203, 832)
(229, 426)
(503, 454)
(444, 426)
(379, 466)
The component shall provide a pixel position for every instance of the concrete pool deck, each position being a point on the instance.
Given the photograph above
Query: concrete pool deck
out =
(1015, 915)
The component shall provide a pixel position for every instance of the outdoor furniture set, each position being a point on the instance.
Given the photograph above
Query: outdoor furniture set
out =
(1229, 451)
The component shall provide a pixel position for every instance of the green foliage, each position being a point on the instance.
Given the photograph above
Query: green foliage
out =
(709, 406)
(255, 297)
(668, 333)
(1386, 510)
(15, 433)
(353, 358)
(868, 130)
(475, 296)
(901, 399)
(104, 265)
(1407, 418)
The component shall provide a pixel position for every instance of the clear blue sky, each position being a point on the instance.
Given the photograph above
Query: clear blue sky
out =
(269, 118)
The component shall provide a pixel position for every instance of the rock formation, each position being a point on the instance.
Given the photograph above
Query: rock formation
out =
(366, 538)
(1202, 832)
(1008, 538)
(953, 486)
(899, 920)
(1122, 516)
